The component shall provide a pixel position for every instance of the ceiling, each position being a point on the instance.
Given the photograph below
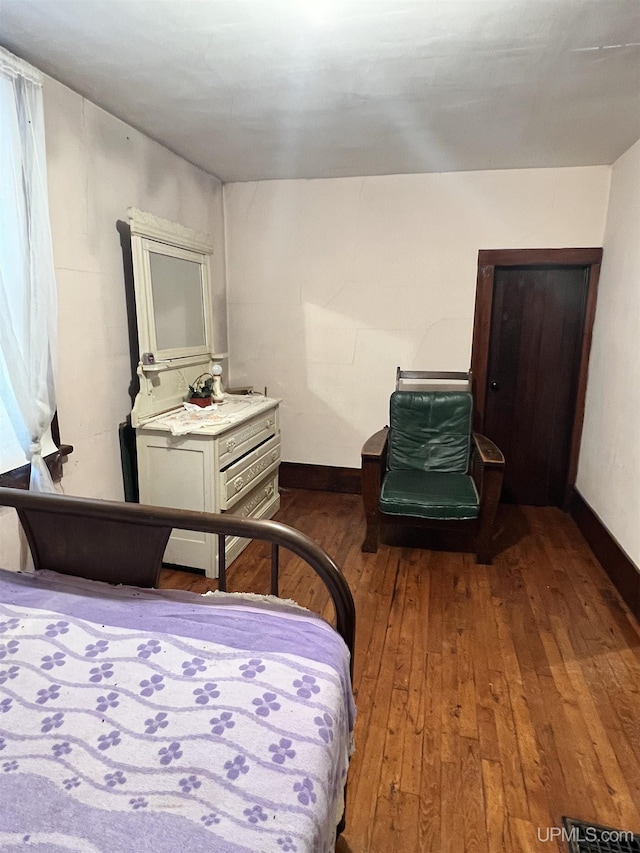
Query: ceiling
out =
(261, 89)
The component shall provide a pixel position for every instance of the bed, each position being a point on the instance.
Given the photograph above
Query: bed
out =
(135, 719)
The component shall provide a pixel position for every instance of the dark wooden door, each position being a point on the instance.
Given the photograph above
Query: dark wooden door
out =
(537, 325)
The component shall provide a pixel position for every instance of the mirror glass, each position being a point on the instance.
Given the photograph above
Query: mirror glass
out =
(178, 305)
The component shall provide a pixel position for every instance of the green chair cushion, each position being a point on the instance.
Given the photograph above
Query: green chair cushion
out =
(429, 494)
(430, 431)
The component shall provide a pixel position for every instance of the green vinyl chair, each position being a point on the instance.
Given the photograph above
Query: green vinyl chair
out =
(428, 468)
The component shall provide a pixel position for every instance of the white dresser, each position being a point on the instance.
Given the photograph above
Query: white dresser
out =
(223, 458)
(228, 465)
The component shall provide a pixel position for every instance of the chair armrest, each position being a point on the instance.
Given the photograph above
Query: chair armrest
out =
(490, 455)
(375, 446)
(374, 463)
(487, 471)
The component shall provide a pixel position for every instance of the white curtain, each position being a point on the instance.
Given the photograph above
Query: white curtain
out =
(28, 317)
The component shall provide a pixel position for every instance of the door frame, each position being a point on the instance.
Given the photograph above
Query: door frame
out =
(488, 260)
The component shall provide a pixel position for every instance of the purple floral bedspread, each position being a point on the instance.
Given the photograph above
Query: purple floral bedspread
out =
(144, 721)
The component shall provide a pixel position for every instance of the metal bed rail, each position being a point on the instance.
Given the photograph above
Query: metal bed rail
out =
(124, 543)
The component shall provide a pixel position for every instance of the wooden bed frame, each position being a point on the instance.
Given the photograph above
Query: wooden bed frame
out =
(123, 543)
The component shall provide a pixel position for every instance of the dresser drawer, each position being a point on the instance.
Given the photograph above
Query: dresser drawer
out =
(253, 504)
(245, 436)
(262, 501)
(239, 479)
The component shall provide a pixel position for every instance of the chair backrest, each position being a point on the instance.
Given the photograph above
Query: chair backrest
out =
(430, 431)
(433, 380)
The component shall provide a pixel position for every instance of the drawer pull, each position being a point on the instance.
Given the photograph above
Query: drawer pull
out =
(254, 471)
(246, 434)
(256, 500)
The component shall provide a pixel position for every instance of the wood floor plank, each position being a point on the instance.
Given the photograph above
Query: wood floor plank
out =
(514, 786)
(451, 622)
(486, 658)
(430, 818)
(473, 804)
(492, 700)
(376, 619)
(467, 690)
(495, 817)
(386, 821)
(410, 782)
(406, 836)
(452, 812)
(404, 609)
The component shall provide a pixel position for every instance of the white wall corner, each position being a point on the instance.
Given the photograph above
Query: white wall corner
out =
(609, 465)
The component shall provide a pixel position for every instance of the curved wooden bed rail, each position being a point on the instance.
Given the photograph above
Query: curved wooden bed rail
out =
(124, 542)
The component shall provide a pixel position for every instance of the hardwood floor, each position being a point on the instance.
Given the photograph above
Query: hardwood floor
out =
(492, 700)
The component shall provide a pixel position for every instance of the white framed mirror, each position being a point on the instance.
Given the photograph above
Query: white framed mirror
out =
(172, 281)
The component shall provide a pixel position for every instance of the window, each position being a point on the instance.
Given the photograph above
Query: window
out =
(27, 278)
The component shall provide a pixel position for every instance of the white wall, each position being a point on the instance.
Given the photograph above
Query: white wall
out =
(97, 168)
(609, 470)
(334, 283)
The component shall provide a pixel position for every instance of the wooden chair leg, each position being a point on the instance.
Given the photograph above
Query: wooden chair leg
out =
(373, 461)
(483, 546)
(491, 488)
(370, 544)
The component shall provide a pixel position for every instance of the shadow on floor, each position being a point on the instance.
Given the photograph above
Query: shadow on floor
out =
(511, 527)
(342, 846)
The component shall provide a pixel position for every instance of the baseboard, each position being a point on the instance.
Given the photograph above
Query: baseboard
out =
(624, 575)
(323, 478)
